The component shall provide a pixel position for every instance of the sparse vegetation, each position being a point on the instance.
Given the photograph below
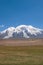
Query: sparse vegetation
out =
(21, 55)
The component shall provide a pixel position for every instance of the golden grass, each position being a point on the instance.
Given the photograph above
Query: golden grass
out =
(21, 55)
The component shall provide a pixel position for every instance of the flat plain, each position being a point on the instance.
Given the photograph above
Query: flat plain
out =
(21, 52)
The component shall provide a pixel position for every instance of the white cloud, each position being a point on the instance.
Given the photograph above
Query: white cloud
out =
(1, 26)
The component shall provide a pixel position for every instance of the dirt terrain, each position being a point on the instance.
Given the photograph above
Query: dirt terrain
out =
(21, 42)
(21, 52)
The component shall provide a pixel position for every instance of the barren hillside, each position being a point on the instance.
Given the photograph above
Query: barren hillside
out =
(21, 42)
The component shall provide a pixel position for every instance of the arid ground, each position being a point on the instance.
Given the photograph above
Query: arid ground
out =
(21, 42)
(21, 52)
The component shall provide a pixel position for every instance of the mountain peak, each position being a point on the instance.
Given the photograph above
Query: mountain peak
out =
(10, 28)
(22, 31)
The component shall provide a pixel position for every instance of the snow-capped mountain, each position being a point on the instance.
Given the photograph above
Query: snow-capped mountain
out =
(22, 31)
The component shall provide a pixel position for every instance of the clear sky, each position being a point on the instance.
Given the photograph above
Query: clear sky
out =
(19, 12)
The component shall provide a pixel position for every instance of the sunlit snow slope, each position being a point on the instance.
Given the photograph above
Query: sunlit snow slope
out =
(22, 31)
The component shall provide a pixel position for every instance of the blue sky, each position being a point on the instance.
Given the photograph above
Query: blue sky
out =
(19, 12)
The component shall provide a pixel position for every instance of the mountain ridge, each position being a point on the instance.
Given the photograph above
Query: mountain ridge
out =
(21, 31)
